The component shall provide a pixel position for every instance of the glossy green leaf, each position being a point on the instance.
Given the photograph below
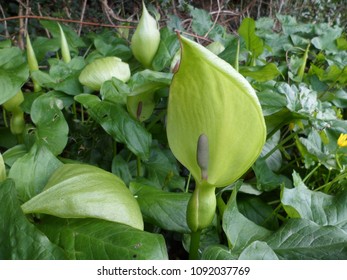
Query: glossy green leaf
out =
(14, 153)
(93, 239)
(14, 72)
(19, 239)
(32, 171)
(301, 239)
(114, 90)
(164, 209)
(118, 123)
(148, 81)
(162, 170)
(267, 180)
(81, 191)
(258, 250)
(108, 44)
(51, 126)
(318, 207)
(167, 49)
(253, 43)
(218, 252)
(240, 231)
(224, 108)
(258, 211)
(261, 73)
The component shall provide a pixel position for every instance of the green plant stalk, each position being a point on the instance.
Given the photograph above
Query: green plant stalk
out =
(301, 71)
(236, 62)
(194, 245)
(280, 144)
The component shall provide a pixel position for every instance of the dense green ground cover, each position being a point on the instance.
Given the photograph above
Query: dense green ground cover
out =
(292, 203)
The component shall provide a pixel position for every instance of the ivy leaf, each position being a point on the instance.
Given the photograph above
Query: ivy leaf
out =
(258, 250)
(240, 231)
(318, 207)
(301, 239)
(261, 73)
(218, 252)
(19, 239)
(201, 21)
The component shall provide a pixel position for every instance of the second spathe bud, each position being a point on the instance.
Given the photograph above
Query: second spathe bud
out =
(146, 39)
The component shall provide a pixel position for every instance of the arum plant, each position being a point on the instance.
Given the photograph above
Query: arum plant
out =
(215, 128)
(32, 63)
(65, 51)
(146, 39)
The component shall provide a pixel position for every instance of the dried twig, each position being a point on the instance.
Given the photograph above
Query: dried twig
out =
(82, 16)
(216, 19)
(21, 27)
(7, 34)
(110, 14)
(65, 20)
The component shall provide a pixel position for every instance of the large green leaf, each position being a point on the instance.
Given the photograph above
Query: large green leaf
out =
(80, 191)
(118, 123)
(318, 207)
(268, 180)
(13, 72)
(51, 126)
(239, 230)
(218, 252)
(258, 250)
(19, 239)
(168, 46)
(32, 171)
(148, 81)
(302, 239)
(93, 239)
(261, 73)
(253, 43)
(210, 98)
(164, 209)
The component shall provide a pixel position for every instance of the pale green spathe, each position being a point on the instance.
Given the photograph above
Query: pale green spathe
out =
(103, 69)
(65, 51)
(208, 96)
(146, 39)
(85, 191)
(2, 169)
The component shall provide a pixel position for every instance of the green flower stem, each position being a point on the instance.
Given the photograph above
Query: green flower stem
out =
(194, 245)
(138, 166)
(280, 144)
(311, 172)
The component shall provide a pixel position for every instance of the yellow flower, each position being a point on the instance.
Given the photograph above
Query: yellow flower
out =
(342, 141)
